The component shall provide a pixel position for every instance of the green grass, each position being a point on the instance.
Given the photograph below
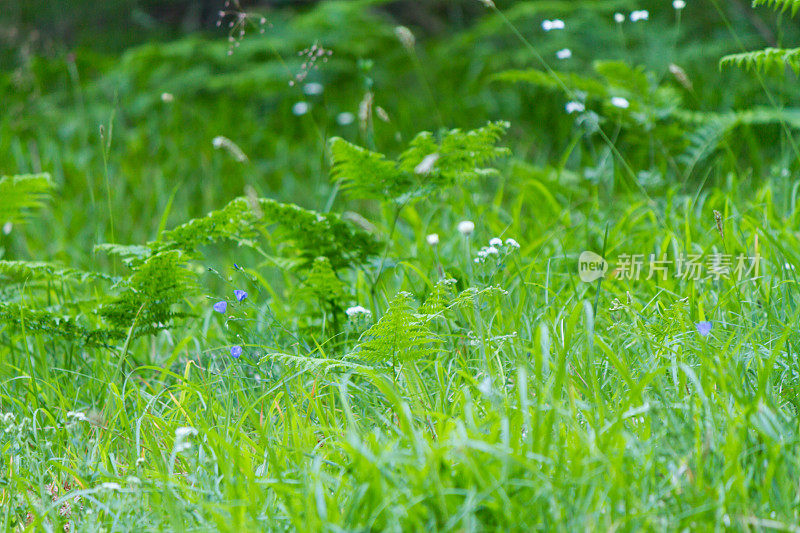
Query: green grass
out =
(503, 394)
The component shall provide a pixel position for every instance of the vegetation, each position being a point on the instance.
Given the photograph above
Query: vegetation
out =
(326, 269)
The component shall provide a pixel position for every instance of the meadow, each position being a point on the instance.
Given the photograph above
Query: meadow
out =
(385, 266)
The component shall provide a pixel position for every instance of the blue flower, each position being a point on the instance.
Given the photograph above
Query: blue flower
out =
(703, 328)
(236, 351)
(220, 307)
(240, 295)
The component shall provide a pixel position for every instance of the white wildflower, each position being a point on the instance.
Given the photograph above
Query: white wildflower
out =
(575, 107)
(564, 53)
(491, 250)
(313, 88)
(357, 311)
(556, 24)
(496, 242)
(183, 433)
(512, 244)
(345, 119)
(619, 18)
(641, 14)
(167, 98)
(77, 415)
(466, 227)
(620, 102)
(678, 4)
(426, 165)
(300, 108)
(433, 239)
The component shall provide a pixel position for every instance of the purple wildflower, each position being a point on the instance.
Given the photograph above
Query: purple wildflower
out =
(220, 307)
(240, 295)
(703, 328)
(236, 351)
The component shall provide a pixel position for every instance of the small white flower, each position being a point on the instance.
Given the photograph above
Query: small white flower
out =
(492, 251)
(345, 119)
(485, 386)
(575, 107)
(678, 4)
(312, 88)
(512, 243)
(641, 14)
(357, 311)
(433, 239)
(564, 53)
(496, 242)
(620, 102)
(482, 253)
(183, 433)
(619, 18)
(167, 97)
(300, 108)
(77, 415)
(426, 165)
(556, 24)
(466, 227)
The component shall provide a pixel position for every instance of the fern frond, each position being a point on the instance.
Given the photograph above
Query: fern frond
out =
(37, 320)
(307, 363)
(427, 166)
(769, 59)
(14, 272)
(322, 283)
(400, 334)
(21, 193)
(147, 296)
(780, 5)
(310, 233)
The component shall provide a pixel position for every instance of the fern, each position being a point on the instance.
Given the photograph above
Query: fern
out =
(767, 60)
(312, 234)
(427, 166)
(400, 334)
(50, 322)
(780, 5)
(21, 193)
(439, 299)
(322, 283)
(147, 296)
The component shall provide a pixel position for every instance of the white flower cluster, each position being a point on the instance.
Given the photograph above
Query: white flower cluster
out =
(642, 14)
(77, 416)
(182, 435)
(358, 311)
(496, 246)
(556, 24)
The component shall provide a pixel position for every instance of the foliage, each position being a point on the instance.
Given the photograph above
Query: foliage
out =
(425, 167)
(21, 193)
(400, 335)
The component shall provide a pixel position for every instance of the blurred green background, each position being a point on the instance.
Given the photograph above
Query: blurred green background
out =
(121, 101)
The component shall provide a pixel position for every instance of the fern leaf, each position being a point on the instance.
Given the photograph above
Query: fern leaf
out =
(427, 166)
(767, 60)
(400, 334)
(310, 233)
(21, 193)
(780, 5)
